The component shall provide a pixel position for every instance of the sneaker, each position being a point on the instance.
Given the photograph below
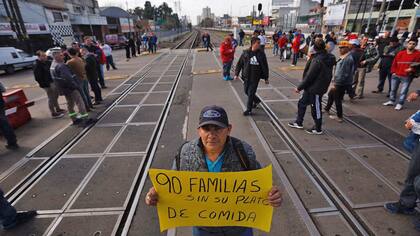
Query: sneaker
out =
(398, 208)
(230, 78)
(12, 146)
(314, 131)
(61, 111)
(247, 113)
(398, 107)
(57, 115)
(338, 119)
(225, 78)
(388, 103)
(21, 218)
(292, 65)
(295, 125)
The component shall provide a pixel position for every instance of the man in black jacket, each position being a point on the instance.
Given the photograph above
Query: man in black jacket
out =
(254, 66)
(43, 77)
(92, 74)
(316, 79)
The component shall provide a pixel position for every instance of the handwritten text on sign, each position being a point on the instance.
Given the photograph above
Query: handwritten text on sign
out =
(213, 199)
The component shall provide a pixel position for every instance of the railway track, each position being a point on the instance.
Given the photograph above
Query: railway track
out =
(326, 183)
(141, 107)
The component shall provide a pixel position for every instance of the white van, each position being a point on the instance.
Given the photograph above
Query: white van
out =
(12, 58)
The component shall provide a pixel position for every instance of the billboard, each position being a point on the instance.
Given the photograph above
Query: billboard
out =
(126, 26)
(334, 14)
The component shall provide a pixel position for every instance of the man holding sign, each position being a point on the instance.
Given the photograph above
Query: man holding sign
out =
(236, 201)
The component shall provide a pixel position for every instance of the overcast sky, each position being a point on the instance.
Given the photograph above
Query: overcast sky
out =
(193, 8)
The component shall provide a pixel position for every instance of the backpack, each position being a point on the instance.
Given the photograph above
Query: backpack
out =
(237, 146)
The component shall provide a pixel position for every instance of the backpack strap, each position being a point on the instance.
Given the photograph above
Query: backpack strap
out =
(240, 151)
(178, 156)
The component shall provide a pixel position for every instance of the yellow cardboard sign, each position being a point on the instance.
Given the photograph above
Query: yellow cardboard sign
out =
(213, 199)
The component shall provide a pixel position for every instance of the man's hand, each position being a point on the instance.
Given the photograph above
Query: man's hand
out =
(363, 63)
(409, 124)
(412, 97)
(297, 90)
(151, 197)
(236, 77)
(274, 197)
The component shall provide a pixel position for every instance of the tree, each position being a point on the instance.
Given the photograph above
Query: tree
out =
(163, 15)
(207, 22)
(149, 11)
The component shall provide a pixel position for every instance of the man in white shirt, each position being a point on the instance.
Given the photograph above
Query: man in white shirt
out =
(263, 40)
(108, 54)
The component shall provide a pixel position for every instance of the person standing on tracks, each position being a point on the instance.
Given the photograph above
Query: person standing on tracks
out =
(108, 55)
(317, 76)
(77, 66)
(99, 56)
(403, 73)
(411, 191)
(388, 54)
(241, 37)
(343, 78)
(43, 77)
(11, 219)
(227, 53)
(92, 74)
(216, 151)
(254, 66)
(69, 87)
(207, 41)
(5, 127)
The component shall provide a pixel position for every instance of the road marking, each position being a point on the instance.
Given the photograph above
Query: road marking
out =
(211, 71)
(117, 77)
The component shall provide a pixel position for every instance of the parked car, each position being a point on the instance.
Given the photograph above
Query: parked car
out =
(115, 41)
(12, 58)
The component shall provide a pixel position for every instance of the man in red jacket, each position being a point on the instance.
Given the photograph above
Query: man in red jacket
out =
(227, 52)
(282, 42)
(295, 48)
(403, 72)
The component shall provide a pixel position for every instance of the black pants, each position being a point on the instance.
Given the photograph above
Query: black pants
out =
(336, 95)
(250, 88)
(139, 49)
(5, 128)
(411, 190)
(96, 89)
(133, 51)
(315, 101)
(384, 74)
(127, 52)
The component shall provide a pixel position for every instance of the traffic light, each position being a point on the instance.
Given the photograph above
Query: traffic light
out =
(322, 3)
(259, 6)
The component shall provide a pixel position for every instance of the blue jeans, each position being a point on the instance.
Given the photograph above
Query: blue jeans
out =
(85, 93)
(275, 49)
(395, 84)
(7, 212)
(198, 232)
(226, 68)
(5, 129)
(101, 75)
(295, 58)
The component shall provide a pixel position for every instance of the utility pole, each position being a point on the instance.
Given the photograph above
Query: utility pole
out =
(21, 29)
(10, 18)
(381, 17)
(370, 17)
(353, 27)
(396, 19)
(363, 16)
(385, 22)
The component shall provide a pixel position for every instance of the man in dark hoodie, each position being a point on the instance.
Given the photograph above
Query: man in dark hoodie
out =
(316, 79)
(254, 66)
(388, 55)
(43, 77)
(92, 74)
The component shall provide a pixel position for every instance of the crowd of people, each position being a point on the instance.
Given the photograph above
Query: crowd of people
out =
(135, 45)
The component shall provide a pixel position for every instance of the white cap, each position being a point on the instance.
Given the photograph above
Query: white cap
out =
(354, 41)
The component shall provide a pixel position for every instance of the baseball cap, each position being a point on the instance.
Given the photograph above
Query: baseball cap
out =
(213, 115)
(344, 44)
(354, 41)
